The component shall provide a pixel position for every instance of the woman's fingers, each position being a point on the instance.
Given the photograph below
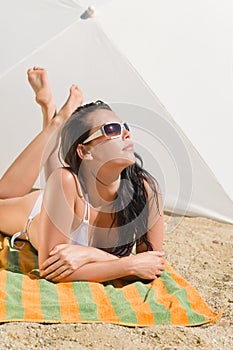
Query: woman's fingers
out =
(61, 277)
(57, 272)
(157, 253)
(48, 262)
(52, 267)
(62, 258)
(160, 268)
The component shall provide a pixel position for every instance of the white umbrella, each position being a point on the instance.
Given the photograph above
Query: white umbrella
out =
(125, 54)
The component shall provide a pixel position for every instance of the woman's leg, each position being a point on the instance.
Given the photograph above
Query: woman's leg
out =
(38, 80)
(21, 175)
(74, 101)
(14, 212)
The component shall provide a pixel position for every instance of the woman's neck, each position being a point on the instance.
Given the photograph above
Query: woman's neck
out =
(102, 187)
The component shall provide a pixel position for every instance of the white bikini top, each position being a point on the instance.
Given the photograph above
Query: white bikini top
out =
(78, 236)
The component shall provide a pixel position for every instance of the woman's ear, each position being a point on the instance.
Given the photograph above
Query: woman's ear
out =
(83, 153)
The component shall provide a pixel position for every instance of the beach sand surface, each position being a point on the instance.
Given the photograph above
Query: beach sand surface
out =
(199, 249)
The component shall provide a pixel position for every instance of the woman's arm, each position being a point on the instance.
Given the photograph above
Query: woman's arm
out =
(56, 255)
(57, 212)
(65, 259)
(147, 265)
(155, 231)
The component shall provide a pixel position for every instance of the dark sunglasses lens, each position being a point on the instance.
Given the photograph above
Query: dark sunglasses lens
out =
(113, 129)
(126, 126)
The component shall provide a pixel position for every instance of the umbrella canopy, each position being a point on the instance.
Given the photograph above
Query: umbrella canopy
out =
(122, 54)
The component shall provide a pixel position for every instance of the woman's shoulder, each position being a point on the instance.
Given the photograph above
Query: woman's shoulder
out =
(151, 185)
(64, 177)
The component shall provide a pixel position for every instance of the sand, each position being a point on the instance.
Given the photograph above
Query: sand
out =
(201, 251)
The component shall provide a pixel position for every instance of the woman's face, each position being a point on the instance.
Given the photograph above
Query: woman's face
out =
(115, 152)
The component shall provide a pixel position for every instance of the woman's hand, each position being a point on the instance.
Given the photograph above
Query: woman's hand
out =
(63, 260)
(148, 265)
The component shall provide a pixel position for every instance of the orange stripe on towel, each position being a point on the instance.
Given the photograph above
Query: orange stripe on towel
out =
(3, 275)
(192, 295)
(4, 245)
(31, 299)
(170, 302)
(69, 309)
(4, 248)
(141, 308)
(26, 260)
(105, 309)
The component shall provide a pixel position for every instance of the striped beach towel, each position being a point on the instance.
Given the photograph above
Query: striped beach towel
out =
(168, 300)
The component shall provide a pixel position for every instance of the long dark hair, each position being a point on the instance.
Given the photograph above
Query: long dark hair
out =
(131, 207)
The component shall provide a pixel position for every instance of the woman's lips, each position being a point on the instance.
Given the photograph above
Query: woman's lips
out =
(128, 147)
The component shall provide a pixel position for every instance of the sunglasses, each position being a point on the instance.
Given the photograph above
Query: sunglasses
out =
(110, 130)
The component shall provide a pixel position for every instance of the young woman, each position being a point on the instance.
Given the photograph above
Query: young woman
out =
(96, 208)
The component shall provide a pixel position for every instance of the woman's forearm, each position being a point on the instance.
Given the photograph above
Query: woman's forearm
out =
(93, 265)
(102, 271)
(69, 258)
(98, 255)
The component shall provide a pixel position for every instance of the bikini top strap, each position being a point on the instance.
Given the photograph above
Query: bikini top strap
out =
(37, 207)
(86, 216)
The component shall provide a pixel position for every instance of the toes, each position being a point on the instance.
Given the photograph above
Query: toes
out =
(38, 68)
(74, 87)
(30, 70)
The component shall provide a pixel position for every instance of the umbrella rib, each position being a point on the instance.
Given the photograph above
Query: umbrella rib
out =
(39, 48)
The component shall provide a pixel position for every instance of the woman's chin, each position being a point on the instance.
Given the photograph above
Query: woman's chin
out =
(127, 161)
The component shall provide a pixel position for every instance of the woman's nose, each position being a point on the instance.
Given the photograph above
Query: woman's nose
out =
(125, 134)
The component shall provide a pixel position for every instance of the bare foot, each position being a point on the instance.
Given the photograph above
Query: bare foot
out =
(74, 100)
(38, 80)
